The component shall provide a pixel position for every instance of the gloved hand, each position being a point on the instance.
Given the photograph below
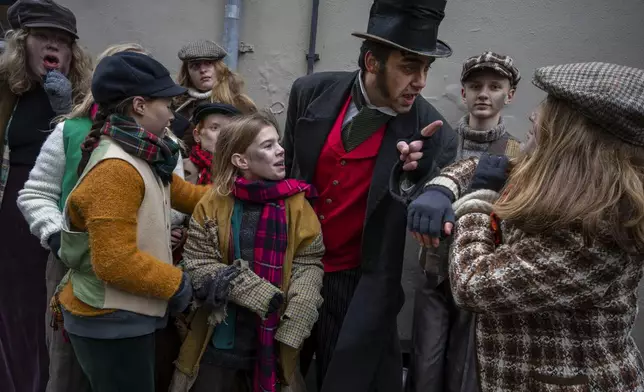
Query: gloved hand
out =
(430, 214)
(216, 288)
(59, 91)
(491, 173)
(54, 243)
(275, 304)
(181, 298)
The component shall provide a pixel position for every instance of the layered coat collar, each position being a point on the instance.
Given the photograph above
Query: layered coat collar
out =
(315, 125)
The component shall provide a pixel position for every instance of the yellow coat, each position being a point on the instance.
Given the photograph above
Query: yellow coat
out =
(207, 249)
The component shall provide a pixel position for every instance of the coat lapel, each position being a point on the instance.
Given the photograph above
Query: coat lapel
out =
(401, 127)
(312, 130)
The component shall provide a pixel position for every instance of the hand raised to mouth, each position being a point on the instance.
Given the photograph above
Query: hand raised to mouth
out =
(59, 91)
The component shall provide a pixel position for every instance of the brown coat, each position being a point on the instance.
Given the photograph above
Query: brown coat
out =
(554, 312)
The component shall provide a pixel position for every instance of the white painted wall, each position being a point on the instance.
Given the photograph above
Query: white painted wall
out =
(535, 33)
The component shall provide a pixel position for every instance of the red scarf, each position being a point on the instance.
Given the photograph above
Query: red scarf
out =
(270, 249)
(203, 160)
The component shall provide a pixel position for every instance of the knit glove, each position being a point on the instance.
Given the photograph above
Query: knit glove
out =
(430, 211)
(216, 288)
(275, 304)
(59, 91)
(491, 173)
(181, 298)
(54, 244)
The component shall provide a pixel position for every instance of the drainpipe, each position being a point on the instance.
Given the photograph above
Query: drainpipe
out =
(311, 56)
(232, 14)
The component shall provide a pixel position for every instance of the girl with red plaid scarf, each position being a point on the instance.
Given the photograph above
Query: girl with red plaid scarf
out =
(254, 254)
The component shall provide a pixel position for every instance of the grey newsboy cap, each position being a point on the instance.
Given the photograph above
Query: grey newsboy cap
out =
(202, 49)
(610, 95)
(501, 64)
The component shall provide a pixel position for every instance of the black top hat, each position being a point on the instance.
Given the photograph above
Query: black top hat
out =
(130, 74)
(41, 13)
(207, 108)
(409, 25)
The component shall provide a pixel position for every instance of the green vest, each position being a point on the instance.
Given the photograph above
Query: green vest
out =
(75, 131)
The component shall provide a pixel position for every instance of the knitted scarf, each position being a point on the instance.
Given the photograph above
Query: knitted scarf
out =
(203, 160)
(161, 154)
(473, 143)
(198, 94)
(193, 95)
(270, 248)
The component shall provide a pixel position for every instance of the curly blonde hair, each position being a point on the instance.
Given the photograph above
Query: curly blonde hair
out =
(14, 72)
(228, 87)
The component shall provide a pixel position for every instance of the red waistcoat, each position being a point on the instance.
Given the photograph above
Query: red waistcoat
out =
(343, 179)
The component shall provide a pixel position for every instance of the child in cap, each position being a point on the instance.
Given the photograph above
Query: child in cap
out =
(41, 202)
(442, 331)
(254, 253)
(489, 82)
(207, 79)
(122, 284)
(209, 119)
(548, 249)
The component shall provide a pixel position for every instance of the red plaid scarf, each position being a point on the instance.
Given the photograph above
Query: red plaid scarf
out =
(203, 160)
(270, 249)
(161, 153)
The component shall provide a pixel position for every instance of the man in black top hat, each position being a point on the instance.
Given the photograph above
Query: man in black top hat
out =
(344, 133)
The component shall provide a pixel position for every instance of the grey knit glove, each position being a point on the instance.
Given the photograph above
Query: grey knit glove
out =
(59, 91)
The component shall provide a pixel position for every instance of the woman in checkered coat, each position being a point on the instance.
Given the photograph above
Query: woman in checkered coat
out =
(552, 266)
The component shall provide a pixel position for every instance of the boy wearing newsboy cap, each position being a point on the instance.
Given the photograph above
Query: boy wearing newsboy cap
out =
(444, 354)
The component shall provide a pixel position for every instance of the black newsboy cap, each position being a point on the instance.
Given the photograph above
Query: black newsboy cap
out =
(41, 13)
(128, 74)
(205, 109)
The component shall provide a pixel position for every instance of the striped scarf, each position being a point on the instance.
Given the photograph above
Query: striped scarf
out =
(270, 250)
(161, 153)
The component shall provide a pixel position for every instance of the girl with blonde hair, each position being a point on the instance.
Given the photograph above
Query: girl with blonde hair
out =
(548, 249)
(254, 255)
(43, 72)
(208, 79)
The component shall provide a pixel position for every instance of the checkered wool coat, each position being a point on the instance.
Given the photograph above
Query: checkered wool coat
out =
(554, 313)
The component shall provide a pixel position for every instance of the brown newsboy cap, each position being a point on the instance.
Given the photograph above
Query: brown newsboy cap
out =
(201, 50)
(41, 13)
(610, 95)
(503, 65)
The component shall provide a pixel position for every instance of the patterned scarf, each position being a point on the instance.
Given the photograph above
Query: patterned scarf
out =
(270, 249)
(161, 154)
(474, 142)
(203, 160)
